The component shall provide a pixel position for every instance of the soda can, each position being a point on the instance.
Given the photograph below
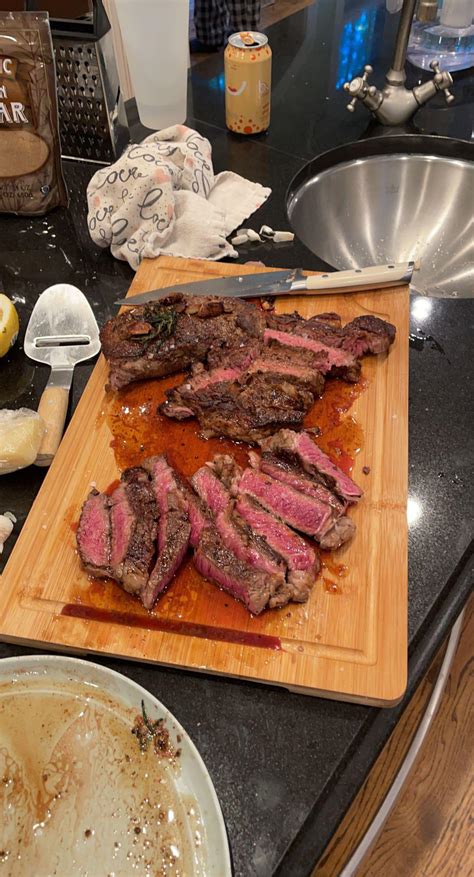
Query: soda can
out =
(248, 80)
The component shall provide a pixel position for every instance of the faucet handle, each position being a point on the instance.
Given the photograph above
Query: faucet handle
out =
(442, 79)
(352, 104)
(358, 88)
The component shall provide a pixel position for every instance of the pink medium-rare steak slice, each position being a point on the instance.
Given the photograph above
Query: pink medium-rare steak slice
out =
(93, 534)
(290, 472)
(303, 512)
(302, 561)
(211, 490)
(178, 399)
(301, 446)
(133, 515)
(174, 528)
(331, 360)
(363, 335)
(173, 539)
(292, 365)
(198, 513)
(247, 546)
(249, 585)
(211, 483)
(340, 528)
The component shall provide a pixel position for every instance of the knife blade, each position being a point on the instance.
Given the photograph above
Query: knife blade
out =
(228, 286)
(287, 282)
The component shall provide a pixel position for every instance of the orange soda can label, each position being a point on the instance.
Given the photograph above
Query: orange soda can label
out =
(248, 81)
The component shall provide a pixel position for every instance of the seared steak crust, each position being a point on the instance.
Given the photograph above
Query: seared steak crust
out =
(133, 518)
(169, 335)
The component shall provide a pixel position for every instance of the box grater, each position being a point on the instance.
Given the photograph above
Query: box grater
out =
(92, 118)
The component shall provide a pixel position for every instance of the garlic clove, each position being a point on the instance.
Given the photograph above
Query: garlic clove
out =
(281, 236)
(253, 235)
(6, 526)
(239, 239)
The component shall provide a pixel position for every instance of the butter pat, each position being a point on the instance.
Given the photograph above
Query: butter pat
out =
(21, 433)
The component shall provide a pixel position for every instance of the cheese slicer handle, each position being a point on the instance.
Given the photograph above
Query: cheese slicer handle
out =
(52, 408)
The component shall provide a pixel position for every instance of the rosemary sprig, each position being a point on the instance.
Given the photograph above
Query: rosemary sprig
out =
(148, 722)
(163, 321)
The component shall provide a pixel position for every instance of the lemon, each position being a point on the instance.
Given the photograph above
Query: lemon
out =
(9, 324)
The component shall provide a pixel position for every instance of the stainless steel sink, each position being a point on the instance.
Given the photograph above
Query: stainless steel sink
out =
(388, 199)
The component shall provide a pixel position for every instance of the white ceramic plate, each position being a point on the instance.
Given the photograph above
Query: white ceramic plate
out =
(80, 798)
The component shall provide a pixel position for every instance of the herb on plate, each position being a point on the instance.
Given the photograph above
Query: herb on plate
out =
(152, 731)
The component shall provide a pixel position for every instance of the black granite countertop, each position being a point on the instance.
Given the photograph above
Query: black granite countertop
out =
(286, 766)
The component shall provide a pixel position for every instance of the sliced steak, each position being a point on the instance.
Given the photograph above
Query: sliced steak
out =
(179, 403)
(198, 513)
(248, 412)
(325, 328)
(365, 334)
(226, 469)
(341, 531)
(301, 447)
(281, 367)
(210, 489)
(368, 334)
(304, 513)
(133, 515)
(93, 534)
(239, 356)
(290, 472)
(331, 361)
(302, 561)
(167, 336)
(251, 548)
(216, 562)
(174, 529)
(212, 482)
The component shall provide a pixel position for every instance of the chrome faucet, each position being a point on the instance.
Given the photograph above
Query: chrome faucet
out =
(395, 104)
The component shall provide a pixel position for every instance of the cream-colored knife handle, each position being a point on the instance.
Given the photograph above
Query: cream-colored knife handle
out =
(53, 409)
(375, 277)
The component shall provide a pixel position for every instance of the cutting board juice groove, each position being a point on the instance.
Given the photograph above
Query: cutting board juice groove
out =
(348, 642)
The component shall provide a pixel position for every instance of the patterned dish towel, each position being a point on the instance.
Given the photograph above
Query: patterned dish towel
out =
(162, 196)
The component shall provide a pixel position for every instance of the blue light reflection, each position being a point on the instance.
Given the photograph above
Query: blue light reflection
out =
(355, 44)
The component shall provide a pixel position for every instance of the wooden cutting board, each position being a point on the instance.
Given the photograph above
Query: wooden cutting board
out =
(348, 642)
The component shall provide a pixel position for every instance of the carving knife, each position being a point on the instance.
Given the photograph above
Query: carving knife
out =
(287, 283)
